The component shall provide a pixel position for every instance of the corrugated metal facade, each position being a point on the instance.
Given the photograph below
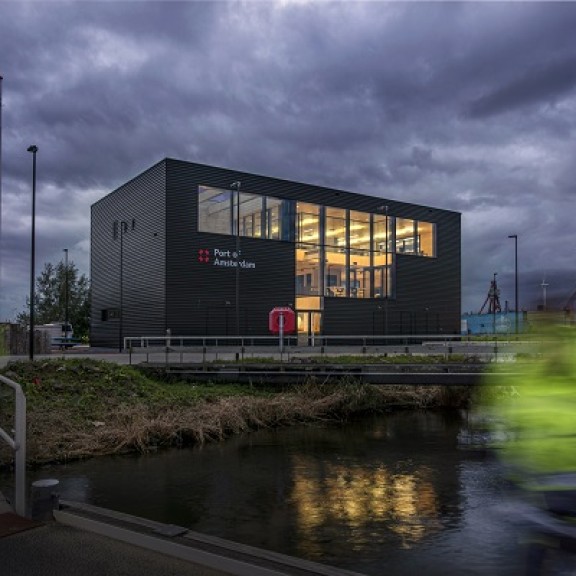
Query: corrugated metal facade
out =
(129, 225)
(167, 286)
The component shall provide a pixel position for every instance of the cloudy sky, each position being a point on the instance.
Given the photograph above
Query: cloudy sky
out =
(464, 106)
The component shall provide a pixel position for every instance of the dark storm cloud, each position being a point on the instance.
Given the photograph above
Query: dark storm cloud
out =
(542, 86)
(464, 106)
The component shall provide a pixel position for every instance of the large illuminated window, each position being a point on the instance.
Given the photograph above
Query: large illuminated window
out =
(339, 253)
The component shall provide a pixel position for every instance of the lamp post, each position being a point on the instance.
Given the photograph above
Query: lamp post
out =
(33, 149)
(494, 296)
(236, 186)
(123, 228)
(515, 236)
(543, 286)
(66, 285)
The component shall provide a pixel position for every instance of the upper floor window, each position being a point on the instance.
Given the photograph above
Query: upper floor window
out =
(258, 216)
(251, 215)
(215, 210)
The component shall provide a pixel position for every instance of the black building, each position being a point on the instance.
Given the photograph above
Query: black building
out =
(202, 250)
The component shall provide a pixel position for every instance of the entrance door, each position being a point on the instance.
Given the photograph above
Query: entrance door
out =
(309, 326)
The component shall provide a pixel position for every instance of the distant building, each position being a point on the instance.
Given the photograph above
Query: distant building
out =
(201, 250)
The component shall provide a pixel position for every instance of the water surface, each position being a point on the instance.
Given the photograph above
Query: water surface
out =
(395, 494)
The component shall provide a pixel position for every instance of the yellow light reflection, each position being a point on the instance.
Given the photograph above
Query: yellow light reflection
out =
(368, 502)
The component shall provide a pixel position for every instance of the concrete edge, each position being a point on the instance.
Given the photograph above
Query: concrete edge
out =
(185, 544)
(173, 549)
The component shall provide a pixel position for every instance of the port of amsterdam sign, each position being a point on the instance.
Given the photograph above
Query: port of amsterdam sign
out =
(224, 258)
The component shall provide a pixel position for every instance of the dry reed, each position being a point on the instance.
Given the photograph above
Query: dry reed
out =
(60, 436)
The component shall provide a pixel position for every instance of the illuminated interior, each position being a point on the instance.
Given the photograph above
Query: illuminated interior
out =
(340, 253)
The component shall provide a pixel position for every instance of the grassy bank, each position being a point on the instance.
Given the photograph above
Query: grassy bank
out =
(82, 408)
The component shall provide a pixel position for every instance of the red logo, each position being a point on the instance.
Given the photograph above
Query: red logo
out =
(204, 256)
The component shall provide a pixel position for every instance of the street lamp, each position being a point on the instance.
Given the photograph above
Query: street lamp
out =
(123, 228)
(494, 301)
(236, 186)
(515, 236)
(66, 307)
(33, 149)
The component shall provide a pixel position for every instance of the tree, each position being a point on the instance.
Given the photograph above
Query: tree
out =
(50, 298)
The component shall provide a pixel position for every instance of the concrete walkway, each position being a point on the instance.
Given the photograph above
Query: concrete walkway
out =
(59, 550)
(85, 540)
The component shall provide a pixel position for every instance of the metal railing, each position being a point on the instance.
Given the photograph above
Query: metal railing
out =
(293, 345)
(291, 340)
(18, 445)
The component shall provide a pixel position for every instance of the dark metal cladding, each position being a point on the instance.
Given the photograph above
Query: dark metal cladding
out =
(167, 285)
(131, 220)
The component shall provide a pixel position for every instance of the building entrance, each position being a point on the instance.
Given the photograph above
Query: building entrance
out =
(309, 327)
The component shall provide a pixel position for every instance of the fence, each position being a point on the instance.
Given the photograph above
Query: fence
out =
(18, 445)
(203, 348)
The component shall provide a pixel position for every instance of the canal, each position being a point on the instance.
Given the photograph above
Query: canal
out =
(398, 494)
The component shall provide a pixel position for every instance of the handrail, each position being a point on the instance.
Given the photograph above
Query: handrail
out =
(18, 445)
(242, 346)
(292, 339)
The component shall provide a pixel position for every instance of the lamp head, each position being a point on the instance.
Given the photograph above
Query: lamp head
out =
(33, 149)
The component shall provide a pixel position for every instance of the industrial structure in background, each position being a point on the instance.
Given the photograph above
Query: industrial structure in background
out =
(494, 320)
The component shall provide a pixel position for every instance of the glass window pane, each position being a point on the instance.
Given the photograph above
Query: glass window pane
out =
(308, 270)
(360, 272)
(250, 215)
(405, 239)
(359, 230)
(214, 210)
(279, 220)
(335, 228)
(335, 273)
(308, 223)
(426, 239)
(383, 228)
(309, 303)
(383, 274)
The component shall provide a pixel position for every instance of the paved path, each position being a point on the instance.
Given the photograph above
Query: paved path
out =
(58, 550)
(86, 540)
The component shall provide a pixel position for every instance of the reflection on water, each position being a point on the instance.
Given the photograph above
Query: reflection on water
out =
(361, 499)
(393, 493)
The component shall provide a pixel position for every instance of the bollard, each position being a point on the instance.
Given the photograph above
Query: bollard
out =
(44, 499)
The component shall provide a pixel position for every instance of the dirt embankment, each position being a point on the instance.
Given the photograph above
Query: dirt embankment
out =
(83, 408)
